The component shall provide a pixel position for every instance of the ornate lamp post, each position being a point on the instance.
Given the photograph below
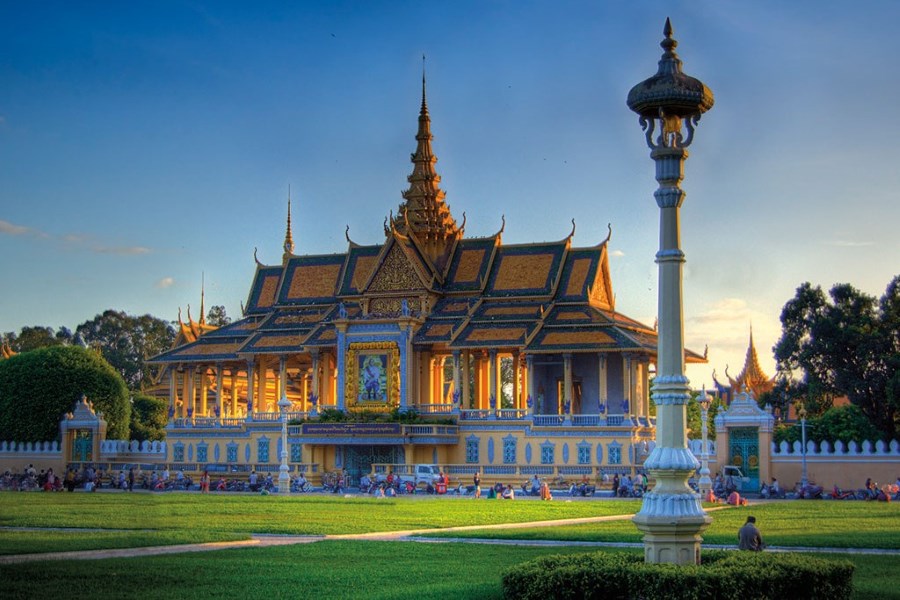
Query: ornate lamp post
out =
(284, 479)
(802, 414)
(669, 105)
(705, 483)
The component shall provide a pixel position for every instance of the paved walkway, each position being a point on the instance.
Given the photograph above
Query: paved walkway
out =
(411, 535)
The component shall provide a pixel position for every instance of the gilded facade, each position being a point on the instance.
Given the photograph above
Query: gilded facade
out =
(514, 357)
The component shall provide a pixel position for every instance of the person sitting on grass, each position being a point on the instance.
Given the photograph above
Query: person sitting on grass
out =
(545, 491)
(749, 537)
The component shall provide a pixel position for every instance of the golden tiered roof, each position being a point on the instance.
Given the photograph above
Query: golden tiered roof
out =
(751, 378)
(424, 217)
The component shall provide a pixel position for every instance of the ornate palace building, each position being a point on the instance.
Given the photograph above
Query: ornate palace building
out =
(513, 357)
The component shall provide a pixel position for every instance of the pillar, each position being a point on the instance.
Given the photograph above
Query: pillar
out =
(234, 392)
(173, 392)
(203, 372)
(603, 384)
(466, 373)
(192, 392)
(456, 378)
(529, 376)
(251, 385)
(516, 391)
(567, 385)
(626, 384)
(220, 399)
(314, 379)
(262, 384)
(493, 396)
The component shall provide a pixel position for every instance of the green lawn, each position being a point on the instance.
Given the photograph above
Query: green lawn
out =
(29, 542)
(325, 570)
(355, 569)
(156, 519)
(801, 523)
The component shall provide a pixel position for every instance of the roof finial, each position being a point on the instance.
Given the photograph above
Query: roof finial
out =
(424, 106)
(202, 293)
(288, 237)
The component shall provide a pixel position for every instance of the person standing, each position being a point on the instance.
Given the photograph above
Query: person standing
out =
(131, 479)
(477, 481)
(749, 537)
(204, 483)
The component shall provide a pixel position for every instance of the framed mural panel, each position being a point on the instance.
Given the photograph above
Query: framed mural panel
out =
(373, 376)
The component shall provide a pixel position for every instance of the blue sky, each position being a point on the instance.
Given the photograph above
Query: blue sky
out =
(145, 143)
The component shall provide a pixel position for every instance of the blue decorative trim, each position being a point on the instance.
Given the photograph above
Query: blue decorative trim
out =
(565, 453)
(528, 453)
(490, 450)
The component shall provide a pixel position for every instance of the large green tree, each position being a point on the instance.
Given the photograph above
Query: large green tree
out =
(845, 344)
(148, 418)
(37, 388)
(127, 341)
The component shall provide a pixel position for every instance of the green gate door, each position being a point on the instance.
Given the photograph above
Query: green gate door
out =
(743, 452)
(358, 460)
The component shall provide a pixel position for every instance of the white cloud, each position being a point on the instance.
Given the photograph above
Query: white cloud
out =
(12, 229)
(849, 244)
(617, 253)
(165, 282)
(121, 250)
(74, 239)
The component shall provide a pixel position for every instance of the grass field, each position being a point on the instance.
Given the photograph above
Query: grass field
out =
(364, 569)
(802, 523)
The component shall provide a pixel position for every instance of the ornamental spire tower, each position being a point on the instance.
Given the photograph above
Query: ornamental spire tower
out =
(669, 105)
(752, 378)
(423, 214)
(288, 236)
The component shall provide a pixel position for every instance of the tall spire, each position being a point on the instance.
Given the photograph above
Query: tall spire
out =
(288, 237)
(202, 299)
(423, 214)
(752, 378)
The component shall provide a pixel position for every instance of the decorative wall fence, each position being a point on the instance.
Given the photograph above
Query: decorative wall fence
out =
(16, 456)
(829, 464)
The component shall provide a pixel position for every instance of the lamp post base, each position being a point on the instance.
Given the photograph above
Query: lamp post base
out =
(668, 541)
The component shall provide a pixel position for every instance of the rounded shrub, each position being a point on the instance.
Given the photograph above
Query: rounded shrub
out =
(37, 388)
(722, 576)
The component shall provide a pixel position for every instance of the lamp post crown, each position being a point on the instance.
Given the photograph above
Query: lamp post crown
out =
(670, 91)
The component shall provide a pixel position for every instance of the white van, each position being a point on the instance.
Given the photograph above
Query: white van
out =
(427, 474)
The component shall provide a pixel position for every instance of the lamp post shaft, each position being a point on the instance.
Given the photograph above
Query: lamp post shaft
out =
(669, 105)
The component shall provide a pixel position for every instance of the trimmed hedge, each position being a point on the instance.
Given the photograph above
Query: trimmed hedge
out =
(722, 576)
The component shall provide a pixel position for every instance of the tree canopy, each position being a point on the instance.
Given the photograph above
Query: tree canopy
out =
(844, 344)
(32, 338)
(126, 341)
(148, 418)
(217, 316)
(37, 388)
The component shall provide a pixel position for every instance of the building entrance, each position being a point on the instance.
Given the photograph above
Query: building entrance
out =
(359, 459)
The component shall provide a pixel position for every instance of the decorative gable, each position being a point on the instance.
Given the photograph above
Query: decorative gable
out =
(396, 274)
